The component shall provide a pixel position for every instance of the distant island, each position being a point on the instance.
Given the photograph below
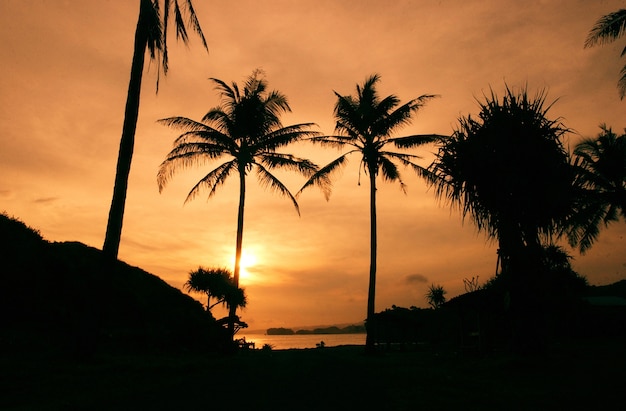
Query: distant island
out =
(351, 329)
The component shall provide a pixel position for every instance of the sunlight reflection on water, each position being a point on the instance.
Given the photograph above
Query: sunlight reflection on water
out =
(283, 342)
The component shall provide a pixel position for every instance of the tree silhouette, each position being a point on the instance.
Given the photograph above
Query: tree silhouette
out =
(509, 171)
(217, 283)
(364, 124)
(245, 130)
(606, 30)
(601, 166)
(151, 35)
(436, 296)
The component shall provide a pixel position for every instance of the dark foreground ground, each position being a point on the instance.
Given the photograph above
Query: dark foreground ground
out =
(582, 375)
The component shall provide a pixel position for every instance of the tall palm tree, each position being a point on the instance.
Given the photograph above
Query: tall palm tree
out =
(245, 130)
(601, 166)
(217, 283)
(509, 171)
(606, 30)
(151, 35)
(365, 124)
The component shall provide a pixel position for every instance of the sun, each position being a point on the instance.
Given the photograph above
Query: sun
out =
(248, 261)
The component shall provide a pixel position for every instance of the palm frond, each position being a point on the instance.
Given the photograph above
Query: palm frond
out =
(337, 142)
(416, 140)
(284, 136)
(607, 29)
(184, 123)
(184, 156)
(289, 162)
(322, 178)
(390, 171)
(195, 23)
(212, 180)
(268, 180)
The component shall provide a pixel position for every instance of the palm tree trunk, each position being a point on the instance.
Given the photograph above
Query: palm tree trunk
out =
(371, 294)
(238, 246)
(127, 142)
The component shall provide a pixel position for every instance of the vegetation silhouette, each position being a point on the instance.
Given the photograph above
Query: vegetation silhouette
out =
(510, 172)
(61, 300)
(601, 177)
(365, 124)
(436, 296)
(150, 35)
(607, 29)
(216, 283)
(247, 131)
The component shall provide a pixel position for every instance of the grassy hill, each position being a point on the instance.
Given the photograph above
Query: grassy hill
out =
(65, 297)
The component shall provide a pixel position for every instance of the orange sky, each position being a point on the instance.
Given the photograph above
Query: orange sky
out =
(63, 80)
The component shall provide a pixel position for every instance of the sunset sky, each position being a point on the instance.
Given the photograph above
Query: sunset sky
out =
(63, 82)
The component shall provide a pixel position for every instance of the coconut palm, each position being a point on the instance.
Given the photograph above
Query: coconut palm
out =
(216, 283)
(246, 131)
(601, 165)
(606, 30)
(150, 35)
(365, 124)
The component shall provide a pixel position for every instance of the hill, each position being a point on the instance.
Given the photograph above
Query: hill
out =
(65, 297)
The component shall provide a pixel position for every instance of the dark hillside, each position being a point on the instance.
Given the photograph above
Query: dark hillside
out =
(65, 297)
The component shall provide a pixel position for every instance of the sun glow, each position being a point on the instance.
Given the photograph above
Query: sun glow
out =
(248, 261)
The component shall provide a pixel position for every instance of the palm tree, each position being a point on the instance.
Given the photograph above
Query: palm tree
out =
(601, 166)
(606, 30)
(364, 125)
(216, 283)
(151, 35)
(245, 130)
(509, 171)
(436, 296)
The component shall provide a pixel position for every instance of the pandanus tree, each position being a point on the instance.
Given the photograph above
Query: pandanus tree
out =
(365, 125)
(607, 29)
(508, 170)
(150, 36)
(217, 284)
(244, 130)
(601, 176)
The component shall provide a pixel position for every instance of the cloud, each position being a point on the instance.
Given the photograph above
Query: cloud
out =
(45, 200)
(415, 279)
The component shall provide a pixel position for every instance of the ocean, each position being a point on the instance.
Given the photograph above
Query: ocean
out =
(285, 342)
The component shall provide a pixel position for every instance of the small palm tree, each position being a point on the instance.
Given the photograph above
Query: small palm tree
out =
(246, 131)
(365, 124)
(216, 283)
(151, 35)
(436, 296)
(601, 166)
(606, 30)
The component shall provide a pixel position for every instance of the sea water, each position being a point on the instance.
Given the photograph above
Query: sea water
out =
(284, 342)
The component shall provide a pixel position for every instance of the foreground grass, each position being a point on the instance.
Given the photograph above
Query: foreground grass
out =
(581, 375)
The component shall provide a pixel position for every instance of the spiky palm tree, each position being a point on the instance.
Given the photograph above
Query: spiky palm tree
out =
(508, 170)
(216, 283)
(601, 166)
(436, 296)
(606, 30)
(246, 131)
(150, 35)
(365, 124)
